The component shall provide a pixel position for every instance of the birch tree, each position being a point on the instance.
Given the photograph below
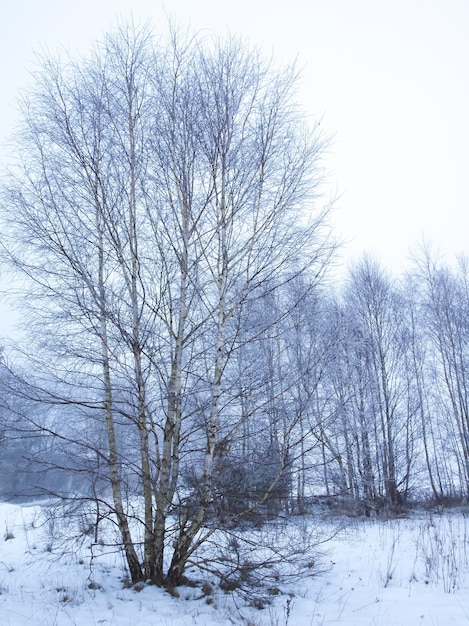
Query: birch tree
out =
(445, 303)
(161, 190)
(377, 309)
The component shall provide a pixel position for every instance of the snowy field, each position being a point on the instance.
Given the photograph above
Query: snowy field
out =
(412, 572)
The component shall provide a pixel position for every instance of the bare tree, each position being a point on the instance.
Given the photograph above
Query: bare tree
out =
(160, 193)
(348, 385)
(445, 304)
(370, 439)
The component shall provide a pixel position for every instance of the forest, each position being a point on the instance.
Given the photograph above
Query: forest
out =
(191, 364)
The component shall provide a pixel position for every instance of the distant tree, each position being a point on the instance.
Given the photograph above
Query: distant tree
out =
(349, 439)
(368, 443)
(445, 304)
(379, 309)
(422, 382)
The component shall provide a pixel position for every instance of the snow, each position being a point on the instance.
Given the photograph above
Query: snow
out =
(399, 572)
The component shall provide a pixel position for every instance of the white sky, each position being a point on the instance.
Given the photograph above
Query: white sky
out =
(390, 79)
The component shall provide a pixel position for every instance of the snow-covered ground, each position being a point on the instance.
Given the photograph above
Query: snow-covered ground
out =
(412, 572)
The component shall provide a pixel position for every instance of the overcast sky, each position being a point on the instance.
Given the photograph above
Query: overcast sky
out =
(389, 78)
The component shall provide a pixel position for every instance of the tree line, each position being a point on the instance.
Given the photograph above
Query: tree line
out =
(189, 366)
